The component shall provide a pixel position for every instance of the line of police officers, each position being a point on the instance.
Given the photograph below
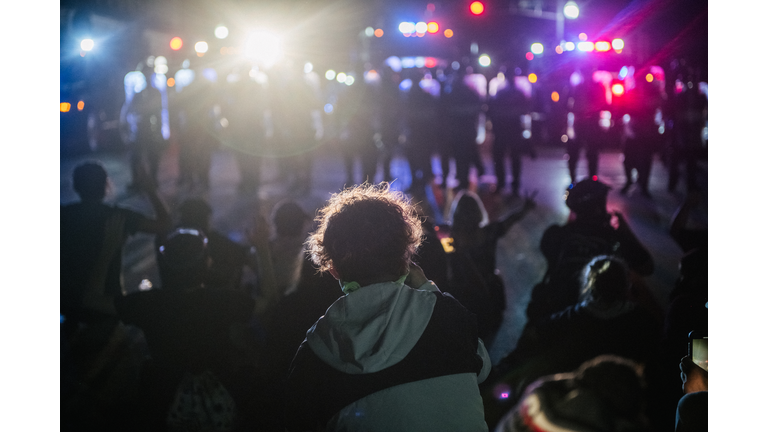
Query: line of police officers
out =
(372, 121)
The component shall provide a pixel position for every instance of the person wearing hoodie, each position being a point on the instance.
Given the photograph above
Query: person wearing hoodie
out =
(394, 353)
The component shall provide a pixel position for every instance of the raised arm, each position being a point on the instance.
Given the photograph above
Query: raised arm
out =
(513, 218)
(162, 222)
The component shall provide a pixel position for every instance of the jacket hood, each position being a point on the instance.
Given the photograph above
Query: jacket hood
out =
(373, 327)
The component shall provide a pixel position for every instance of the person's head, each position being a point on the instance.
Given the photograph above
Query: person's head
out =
(588, 198)
(183, 259)
(601, 394)
(606, 279)
(289, 219)
(89, 180)
(366, 234)
(695, 379)
(195, 213)
(468, 212)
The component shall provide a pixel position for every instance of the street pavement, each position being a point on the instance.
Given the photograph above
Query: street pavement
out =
(520, 262)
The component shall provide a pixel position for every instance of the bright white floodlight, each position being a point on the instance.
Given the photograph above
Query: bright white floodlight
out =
(221, 32)
(571, 10)
(86, 44)
(201, 47)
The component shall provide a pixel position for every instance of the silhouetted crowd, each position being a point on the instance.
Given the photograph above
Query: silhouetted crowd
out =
(363, 317)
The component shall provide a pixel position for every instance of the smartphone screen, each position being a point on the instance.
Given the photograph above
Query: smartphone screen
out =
(699, 353)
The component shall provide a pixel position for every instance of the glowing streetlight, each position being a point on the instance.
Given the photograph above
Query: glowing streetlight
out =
(571, 10)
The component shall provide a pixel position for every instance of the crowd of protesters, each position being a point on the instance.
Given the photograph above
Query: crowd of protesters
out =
(363, 318)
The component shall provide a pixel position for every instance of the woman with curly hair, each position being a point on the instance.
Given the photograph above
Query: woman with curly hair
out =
(394, 353)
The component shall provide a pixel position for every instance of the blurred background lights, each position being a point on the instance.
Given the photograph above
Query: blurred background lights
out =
(537, 48)
(476, 8)
(65, 106)
(555, 96)
(349, 80)
(161, 65)
(617, 44)
(649, 77)
(582, 36)
(171, 82)
(328, 108)
(330, 74)
(407, 27)
(419, 62)
(623, 72)
(341, 77)
(201, 47)
(221, 32)
(86, 44)
(176, 43)
(308, 67)
(378, 33)
(484, 60)
(559, 49)
(448, 33)
(529, 55)
(570, 46)
(455, 65)
(617, 89)
(80, 105)
(406, 84)
(369, 31)
(586, 46)
(433, 27)
(571, 10)
(183, 78)
(532, 78)
(602, 46)
(421, 27)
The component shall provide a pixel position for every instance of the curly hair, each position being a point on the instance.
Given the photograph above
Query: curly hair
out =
(366, 232)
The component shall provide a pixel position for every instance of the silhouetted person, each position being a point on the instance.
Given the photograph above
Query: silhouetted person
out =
(641, 135)
(460, 110)
(227, 257)
(82, 227)
(689, 106)
(693, 407)
(245, 114)
(603, 394)
(422, 141)
(475, 280)
(197, 139)
(291, 227)
(147, 143)
(292, 103)
(605, 321)
(356, 111)
(389, 112)
(504, 111)
(568, 248)
(377, 360)
(589, 97)
(191, 331)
